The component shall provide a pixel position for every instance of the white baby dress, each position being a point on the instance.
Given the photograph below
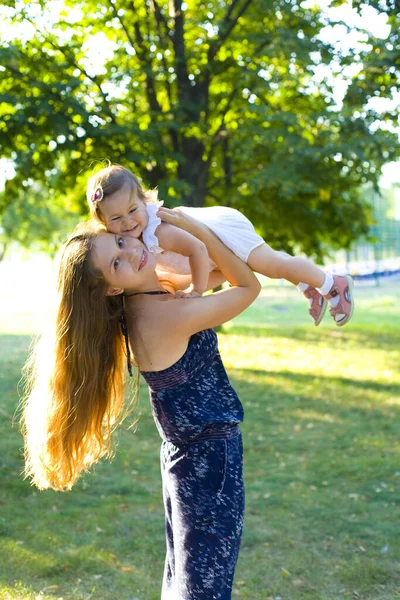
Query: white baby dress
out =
(232, 228)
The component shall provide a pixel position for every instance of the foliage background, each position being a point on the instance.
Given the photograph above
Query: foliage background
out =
(228, 102)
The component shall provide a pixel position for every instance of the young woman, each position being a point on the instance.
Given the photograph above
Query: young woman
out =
(72, 408)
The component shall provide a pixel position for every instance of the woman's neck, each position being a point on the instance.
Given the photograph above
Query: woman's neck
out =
(152, 284)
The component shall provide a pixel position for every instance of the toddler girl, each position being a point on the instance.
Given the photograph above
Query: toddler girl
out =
(116, 199)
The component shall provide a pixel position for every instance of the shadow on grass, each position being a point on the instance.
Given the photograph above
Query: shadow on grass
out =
(368, 336)
(295, 380)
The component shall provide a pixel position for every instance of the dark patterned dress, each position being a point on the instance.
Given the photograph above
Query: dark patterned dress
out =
(197, 412)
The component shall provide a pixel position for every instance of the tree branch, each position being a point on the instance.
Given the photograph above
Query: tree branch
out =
(160, 20)
(72, 63)
(48, 90)
(180, 56)
(218, 134)
(160, 17)
(213, 196)
(122, 23)
(226, 27)
(142, 53)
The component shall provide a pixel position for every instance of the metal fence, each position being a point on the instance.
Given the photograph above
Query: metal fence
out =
(380, 257)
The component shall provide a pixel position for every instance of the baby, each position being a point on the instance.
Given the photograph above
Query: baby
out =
(117, 200)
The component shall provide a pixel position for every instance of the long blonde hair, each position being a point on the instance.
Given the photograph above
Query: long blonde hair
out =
(110, 180)
(75, 388)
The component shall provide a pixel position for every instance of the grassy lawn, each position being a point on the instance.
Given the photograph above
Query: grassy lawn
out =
(322, 467)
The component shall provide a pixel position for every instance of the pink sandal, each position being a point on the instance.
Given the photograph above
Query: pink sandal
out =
(318, 304)
(343, 287)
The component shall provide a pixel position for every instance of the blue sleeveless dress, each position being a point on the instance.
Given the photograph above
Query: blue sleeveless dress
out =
(193, 393)
(197, 412)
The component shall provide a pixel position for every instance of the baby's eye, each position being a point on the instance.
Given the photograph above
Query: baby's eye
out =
(120, 242)
(133, 210)
(115, 218)
(116, 263)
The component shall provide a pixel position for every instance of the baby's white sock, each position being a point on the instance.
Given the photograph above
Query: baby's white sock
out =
(302, 286)
(326, 288)
(327, 285)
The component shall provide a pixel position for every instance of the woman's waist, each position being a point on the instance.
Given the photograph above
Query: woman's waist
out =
(183, 418)
(212, 431)
(216, 431)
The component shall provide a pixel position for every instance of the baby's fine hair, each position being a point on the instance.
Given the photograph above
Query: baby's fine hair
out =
(110, 180)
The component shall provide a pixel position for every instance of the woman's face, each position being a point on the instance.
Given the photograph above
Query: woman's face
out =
(124, 262)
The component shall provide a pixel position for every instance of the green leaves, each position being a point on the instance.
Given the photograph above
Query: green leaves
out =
(213, 102)
(37, 219)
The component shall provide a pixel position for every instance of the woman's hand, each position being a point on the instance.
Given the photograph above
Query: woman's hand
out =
(183, 221)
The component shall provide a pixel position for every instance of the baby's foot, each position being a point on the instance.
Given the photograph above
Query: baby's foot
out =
(317, 303)
(340, 297)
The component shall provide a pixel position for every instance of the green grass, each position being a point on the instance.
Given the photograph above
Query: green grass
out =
(322, 469)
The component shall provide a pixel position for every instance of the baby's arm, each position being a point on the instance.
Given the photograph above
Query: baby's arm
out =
(180, 282)
(177, 240)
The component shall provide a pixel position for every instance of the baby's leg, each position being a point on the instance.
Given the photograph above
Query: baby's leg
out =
(279, 265)
(318, 286)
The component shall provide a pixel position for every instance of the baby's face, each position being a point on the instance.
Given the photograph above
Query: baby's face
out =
(123, 212)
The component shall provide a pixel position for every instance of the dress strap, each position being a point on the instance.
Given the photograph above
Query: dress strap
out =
(151, 293)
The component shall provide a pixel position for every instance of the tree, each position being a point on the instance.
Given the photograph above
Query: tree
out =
(36, 218)
(211, 102)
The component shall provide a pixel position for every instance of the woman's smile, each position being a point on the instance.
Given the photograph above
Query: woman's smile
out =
(143, 260)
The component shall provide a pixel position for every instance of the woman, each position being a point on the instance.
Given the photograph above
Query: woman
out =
(104, 278)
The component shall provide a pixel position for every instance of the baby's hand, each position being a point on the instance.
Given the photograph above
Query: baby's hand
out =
(176, 217)
(188, 293)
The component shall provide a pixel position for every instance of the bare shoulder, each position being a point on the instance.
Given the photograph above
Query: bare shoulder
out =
(154, 310)
(157, 339)
(165, 315)
(177, 319)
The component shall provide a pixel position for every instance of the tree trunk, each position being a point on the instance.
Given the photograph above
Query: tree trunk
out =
(193, 170)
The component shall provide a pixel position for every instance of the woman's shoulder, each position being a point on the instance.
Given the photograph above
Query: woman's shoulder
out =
(168, 314)
(150, 312)
(158, 340)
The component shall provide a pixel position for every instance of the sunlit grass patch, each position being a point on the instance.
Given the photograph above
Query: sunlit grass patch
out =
(322, 470)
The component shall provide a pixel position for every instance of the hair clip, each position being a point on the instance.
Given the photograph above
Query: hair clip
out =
(98, 194)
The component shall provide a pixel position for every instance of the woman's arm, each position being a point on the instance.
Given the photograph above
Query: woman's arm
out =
(177, 240)
(215, 309)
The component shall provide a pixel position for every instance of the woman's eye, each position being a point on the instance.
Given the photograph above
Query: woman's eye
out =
(115, 218)
(120, 242)
(116, 263)
(132, 210)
